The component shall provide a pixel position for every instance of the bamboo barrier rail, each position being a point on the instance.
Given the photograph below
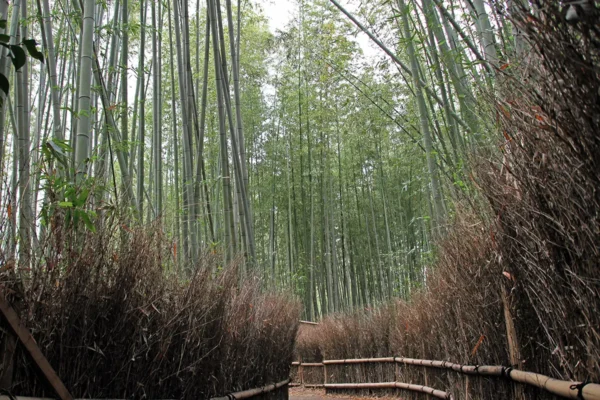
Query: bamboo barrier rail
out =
(246, 394)
(392, 385)
(360, 361)
(565, 389)
(309, 322)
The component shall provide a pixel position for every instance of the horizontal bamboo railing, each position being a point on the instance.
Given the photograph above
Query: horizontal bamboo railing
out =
(246, 394)
(391, 385)
(566, 389)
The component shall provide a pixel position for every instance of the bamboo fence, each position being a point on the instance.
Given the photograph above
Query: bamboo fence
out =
(565, 389)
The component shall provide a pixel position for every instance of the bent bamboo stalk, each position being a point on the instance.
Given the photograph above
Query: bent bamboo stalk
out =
(246, 394)
(440, 394)
(570, 390)
(392, 385)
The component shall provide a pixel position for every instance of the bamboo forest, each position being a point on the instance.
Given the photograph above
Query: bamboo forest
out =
(199, 198)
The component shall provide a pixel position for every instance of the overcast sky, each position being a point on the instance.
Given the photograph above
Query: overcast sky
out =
(280, 12)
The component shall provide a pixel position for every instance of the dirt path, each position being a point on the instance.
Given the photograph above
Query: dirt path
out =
(297, 393)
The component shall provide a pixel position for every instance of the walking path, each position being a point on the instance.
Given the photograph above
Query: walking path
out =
(297, 393)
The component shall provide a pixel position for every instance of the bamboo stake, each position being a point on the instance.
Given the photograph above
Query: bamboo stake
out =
(32, 348)
(511, 336)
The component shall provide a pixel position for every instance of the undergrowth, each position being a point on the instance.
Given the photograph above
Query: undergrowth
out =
(529, 254)
(114, 324)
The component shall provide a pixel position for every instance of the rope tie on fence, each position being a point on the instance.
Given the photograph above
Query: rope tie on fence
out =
(506, 372)
(476, 369)
(579, 387)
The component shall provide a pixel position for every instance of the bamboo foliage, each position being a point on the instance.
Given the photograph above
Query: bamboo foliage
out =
(327, 172)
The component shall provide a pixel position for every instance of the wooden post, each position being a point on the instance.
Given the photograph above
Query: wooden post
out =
(34, 351)
(325, 377)
(513, 344)
(424, 368)
(7, 360)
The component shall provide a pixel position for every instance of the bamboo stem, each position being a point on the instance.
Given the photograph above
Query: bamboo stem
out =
(391, 385)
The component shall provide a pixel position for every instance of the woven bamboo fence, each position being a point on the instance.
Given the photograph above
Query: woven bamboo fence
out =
(560, 388)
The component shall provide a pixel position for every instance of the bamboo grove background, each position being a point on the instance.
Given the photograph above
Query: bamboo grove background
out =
(331, 175)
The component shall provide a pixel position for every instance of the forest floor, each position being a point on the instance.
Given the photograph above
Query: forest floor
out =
(298, 393)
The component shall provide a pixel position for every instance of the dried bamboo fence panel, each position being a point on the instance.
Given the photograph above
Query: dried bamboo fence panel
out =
(359, 373)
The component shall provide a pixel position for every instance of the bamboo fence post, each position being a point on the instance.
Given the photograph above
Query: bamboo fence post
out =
(513, 344)
(424, 368)
(8, 347)
(32, 348)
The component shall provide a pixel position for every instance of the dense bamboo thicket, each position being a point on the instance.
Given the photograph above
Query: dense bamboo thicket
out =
(448, 168)
(515, 282)
(114, 324)
(327, 170)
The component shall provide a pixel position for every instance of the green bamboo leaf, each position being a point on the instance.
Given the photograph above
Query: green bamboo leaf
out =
(4, 85)
(18, 56)
(31, 46)
(82, 198)
(87, 221)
